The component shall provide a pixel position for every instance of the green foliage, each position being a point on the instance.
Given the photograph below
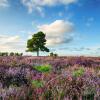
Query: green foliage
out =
(43, 68)
(3, 53)
(37, 43)
(11, 54)
(78, 72)
(37, 83)
(53, 55)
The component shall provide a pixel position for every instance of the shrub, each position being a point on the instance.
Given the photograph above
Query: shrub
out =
(53, 54)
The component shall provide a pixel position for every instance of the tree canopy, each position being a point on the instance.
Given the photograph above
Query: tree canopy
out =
(37, 43)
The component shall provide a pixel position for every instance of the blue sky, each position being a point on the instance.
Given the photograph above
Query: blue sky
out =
(72, 27)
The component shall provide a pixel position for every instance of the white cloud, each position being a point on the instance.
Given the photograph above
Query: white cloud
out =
(4, 3)
(39, 4)
(67, 1)
(57, 27)
(6, 39)
(58, 32)
(11, 43)
(32, 5)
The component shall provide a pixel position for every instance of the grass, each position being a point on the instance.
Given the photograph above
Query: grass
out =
(43, 68)
(37, 83)
(79, 72)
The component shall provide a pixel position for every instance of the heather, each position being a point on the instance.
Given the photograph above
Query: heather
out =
(49, 78)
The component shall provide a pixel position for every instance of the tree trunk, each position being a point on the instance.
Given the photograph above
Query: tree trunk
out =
(37, 53)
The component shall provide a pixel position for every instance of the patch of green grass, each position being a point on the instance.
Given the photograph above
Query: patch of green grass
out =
(78, 73)
(37, 83)
(43, 68)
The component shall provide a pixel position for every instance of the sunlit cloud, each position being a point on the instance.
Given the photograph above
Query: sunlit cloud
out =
(58, 32)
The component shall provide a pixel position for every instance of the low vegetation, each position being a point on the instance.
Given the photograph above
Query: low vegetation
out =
(49, 78)
(10, 54)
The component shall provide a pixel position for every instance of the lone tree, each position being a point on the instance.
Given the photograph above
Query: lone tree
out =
(37, 43)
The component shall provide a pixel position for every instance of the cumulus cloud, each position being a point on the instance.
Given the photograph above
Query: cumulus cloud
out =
(4, 3)
(58, 32)
(39, 4)
(10, 43)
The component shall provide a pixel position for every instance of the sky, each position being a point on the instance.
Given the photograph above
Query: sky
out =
(72, 27)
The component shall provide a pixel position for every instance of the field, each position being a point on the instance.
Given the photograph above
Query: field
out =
(49, 78)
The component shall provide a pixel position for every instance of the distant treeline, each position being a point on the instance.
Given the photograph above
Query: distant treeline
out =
(10, 54)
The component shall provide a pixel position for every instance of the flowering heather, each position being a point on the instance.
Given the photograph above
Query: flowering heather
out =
(61, 78)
